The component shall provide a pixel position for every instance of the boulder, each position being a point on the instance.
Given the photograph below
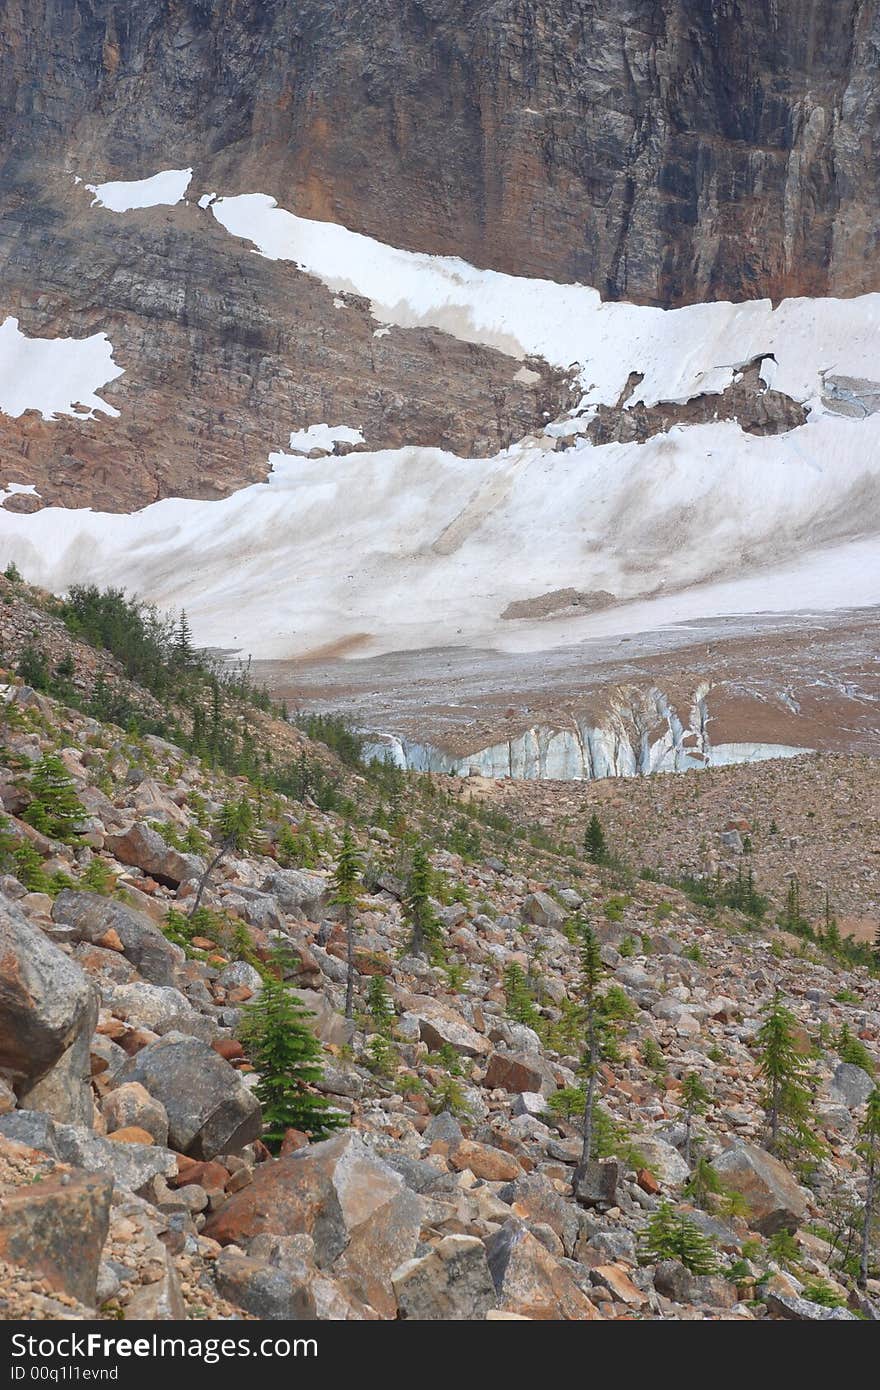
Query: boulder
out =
(439, 1024)
(543, 911)
(450, 1284)
(850, 1086)
(263, 1289)
(48, 1006)
(619, 1284)
(156, 1007)
(294, 1256)
(144, 849)
(534, 1198)
(484, 1161)
(675, 1281)
(210, 1109)
(131, 1105)
(131, 1166)
(298, 892)
(775, 1201)
(364, 1220)
(663, 1160)
(595, 1184)
(519, 1071)
(56, 1230)
(790, 1306)
(530, 1281)
(143, 944)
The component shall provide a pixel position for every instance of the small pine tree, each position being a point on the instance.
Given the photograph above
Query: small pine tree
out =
(517, 996)
(184, 651)
(237, 831)
(417, 905)
(56, 810)
(591, 976)
(853, 1050)
(379, 1005)
(287, 1056)
(786, 1096)
(29, 868)
(695, 1101)
(869, 1148)
(346, 879)
(595, 843)
(669, 1236)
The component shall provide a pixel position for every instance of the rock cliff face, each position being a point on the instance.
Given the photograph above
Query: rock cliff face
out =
(660, 150)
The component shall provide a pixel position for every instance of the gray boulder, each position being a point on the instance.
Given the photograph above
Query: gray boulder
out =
(143, 944)
(210, 1110)
(48, 1007)
(542, 911)
(774, 1199)
(850, 1086)
(298, 892)
(450, 1284)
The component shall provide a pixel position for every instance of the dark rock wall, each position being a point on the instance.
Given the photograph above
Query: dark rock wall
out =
(661, 150)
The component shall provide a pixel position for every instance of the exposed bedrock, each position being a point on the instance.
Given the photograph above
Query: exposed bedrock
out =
(662, 150)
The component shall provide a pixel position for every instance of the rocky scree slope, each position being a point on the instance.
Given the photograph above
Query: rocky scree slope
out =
(454, 1192)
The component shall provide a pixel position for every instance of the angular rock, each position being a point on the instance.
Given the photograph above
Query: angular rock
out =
(850, 1086)
(439, 1024)
(534, 1198)
(131, 1105)
(56, 1230)
(451, 1284)
(145, 849)
(775, 1200)
(595, 1184)
(362, 1217)
(543, 911)
(804, 1310)
(530, 1281)
(48, 1007)
(210, 1109)
(663, 1160)
(156, 1007)
(155, 958)
(519, 1071)
(620, 1285)
(484, 1161)
(674, 1281)
(298, 892)
(265, 1290)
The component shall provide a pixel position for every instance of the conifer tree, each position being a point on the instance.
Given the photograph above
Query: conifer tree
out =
(591, 976)
(56, 810)
(520, 1005)
(869, 1147)
(235, 826)
(184, 651)
(594, 841)
(695, 1099)
(346, 879)
(379, 1005)
(287, 1056)
(417, 905)
(668, 1236)
(786, 1096)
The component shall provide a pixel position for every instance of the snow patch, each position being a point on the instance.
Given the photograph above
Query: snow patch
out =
(161, 190)
(324, 437)
(682, 353)
(56, 376)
